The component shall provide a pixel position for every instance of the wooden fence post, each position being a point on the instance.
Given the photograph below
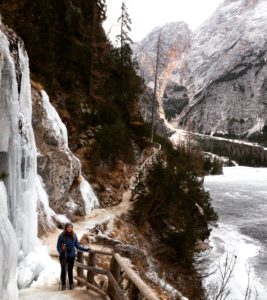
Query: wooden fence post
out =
(115, 275)
(144, 289)
(134, 292)
(115, 269)
(138, 288)
(91, 263)
(80, 270)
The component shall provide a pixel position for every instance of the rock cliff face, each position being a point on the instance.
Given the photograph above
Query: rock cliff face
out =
(146, 107)
(172, 40)
(56, 164)
(224, 71)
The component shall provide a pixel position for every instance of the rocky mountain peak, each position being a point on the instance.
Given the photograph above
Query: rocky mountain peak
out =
(251, 3)
(246, 3)
(230, 31)
(223, 71)
(175, 38)
(226, 70)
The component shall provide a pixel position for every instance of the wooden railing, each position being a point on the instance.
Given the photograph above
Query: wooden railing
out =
(138, 288)
(149, 161)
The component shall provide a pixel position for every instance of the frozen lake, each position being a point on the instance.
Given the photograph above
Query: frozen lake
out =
(240, 199)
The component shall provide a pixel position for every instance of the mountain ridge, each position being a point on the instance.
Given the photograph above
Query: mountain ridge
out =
(223, 71)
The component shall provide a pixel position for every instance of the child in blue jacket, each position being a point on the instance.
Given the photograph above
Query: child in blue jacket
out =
(66, 244)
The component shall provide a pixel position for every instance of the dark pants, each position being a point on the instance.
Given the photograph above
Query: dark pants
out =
(66, 264)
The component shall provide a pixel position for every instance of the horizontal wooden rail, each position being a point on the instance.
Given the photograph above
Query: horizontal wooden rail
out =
(90, 286)
(114, 290)
(138, 286)
(144, 289)
(96, 252)
(150, 158)
(91, 269)
(100, 252)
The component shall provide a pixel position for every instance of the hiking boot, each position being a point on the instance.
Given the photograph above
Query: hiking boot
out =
(63, 287)
(71, 286)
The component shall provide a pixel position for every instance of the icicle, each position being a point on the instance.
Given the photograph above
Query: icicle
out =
(8, 251)
(17, 154)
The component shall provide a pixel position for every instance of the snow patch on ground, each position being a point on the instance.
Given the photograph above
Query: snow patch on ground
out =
(32, 265)
(257, 127)
(62, 219)
(179, 136)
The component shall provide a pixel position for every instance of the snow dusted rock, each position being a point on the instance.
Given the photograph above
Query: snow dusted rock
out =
(174, 40)
(226, 71)
(58, 167)
(222, 67)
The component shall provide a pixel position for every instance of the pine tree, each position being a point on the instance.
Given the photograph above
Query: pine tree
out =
(124, 42)
(123, 38)
(98, 45)
(155, 87)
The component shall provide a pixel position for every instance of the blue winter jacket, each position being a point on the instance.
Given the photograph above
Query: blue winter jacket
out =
(70, 245)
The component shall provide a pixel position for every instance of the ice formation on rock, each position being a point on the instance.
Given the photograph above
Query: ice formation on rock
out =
(23, 193)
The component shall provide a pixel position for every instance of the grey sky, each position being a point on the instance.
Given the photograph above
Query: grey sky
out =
(148, 14)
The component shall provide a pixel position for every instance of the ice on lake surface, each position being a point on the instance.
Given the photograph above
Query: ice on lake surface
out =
(240, 199)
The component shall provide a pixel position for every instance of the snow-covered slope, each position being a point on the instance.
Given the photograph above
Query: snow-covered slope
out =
(226, 71)
(223, 70)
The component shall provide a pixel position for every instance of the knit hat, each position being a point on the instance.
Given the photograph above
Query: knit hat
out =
(67, 225)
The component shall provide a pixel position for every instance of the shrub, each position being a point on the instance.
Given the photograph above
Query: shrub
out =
(217, 167)
(3, 176)
(168, 197)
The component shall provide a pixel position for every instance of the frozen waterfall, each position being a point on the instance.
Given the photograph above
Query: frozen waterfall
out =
(17, 150)
(20, 186)
(8, 251)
